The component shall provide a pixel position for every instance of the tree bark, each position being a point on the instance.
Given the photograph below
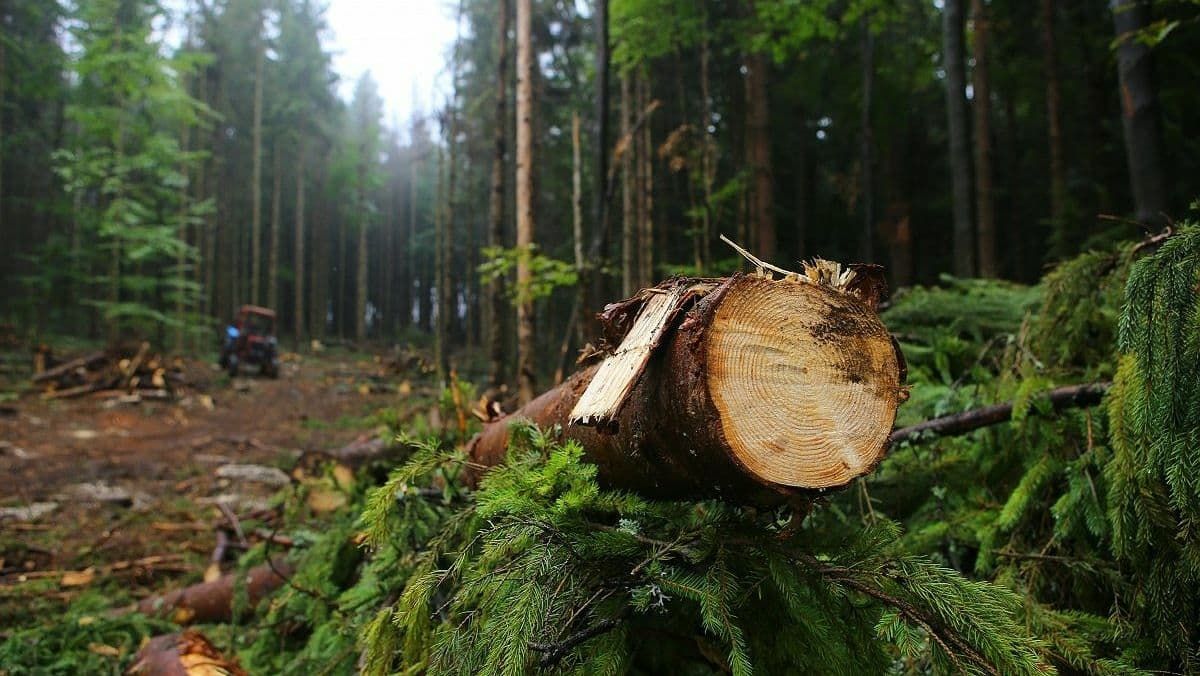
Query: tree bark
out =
(758, 158)
(986, 232)
(1139, 111)
(628, 179)
(960, 156)
(495, 239)
(645, 244)
(601, 150)
(276, 226)
(210, 602)
(577, 217)
(298, 249)
(439, 269)
(318, 311)
(867, 236)
(755, 390)
(1058, 170)
(708, 151)
(525, 223)
(447, 298)
(256, 171)
(362, 265)
(187, 653)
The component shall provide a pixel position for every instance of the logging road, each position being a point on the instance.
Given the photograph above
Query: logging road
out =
(119, 481)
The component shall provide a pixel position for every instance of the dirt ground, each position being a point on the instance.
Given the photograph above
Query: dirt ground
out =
(129, 492)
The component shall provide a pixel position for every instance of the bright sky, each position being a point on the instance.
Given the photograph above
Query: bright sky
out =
(403, 43)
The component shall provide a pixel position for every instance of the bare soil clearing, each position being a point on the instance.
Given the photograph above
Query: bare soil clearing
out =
(130, 491)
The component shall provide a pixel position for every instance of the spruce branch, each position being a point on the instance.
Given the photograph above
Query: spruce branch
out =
(1071, 396)
(945, 637)
(553, 653)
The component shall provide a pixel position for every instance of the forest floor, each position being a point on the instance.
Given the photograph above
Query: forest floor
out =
(129, 493)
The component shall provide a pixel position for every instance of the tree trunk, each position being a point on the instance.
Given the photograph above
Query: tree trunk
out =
(361, 261)
(495, 239)
(577, 219)
(646, 228)
(525, 223)
(447, 298)
(256, 179)
(628, 179)
(708, 160)
(986, 232)
(601, 150)
(960, 155)
(748, 389)
(1058, 169)
(276, 225)
(1139, 111)
(758, 158)
(298, 249)
(867, 242)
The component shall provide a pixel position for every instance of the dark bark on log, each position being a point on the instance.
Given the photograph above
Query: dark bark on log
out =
(671, 438)
(63, 369)
(187, 653)
(1072, 396)
(213, 601)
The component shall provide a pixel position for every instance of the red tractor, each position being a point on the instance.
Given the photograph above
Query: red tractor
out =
(251, 340)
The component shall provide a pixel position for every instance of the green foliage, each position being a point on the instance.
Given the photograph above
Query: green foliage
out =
(1075, 328)
(86, 639)
(546, 273)
(541, 568)
(1089, 511)
(1154, 412)
(126, 167)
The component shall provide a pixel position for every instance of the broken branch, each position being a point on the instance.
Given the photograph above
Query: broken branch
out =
(1071, 396)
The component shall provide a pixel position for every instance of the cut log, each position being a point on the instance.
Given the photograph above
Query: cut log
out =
(213, 601)
(187, 653)
(61, 370)
(754, 389)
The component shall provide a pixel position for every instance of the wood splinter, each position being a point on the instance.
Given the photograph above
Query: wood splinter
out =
(748, 387)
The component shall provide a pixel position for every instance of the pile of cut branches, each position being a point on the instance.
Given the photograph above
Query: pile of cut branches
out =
(132, 372)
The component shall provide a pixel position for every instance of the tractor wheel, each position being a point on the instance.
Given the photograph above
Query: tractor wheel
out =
(233, 366)
(270, 368)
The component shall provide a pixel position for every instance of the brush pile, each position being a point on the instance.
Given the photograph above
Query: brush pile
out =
(124, 371)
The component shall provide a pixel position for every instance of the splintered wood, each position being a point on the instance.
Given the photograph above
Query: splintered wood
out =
(614, 380)
(747, 388)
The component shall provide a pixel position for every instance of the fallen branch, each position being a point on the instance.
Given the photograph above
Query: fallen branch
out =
(209, 602)
(1071, 396)
(67, 367)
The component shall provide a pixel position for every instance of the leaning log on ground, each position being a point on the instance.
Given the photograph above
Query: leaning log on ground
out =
(751, 389)
(186, 653)
(213, 601)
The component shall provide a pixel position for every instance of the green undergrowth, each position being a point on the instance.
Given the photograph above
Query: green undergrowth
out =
(540, 568)
(86, 639)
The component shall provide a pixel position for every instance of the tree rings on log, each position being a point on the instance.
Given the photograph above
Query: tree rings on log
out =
(805, 381)
(748, 388)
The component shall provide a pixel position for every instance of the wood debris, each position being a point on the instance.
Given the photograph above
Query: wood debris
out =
(129, 374)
